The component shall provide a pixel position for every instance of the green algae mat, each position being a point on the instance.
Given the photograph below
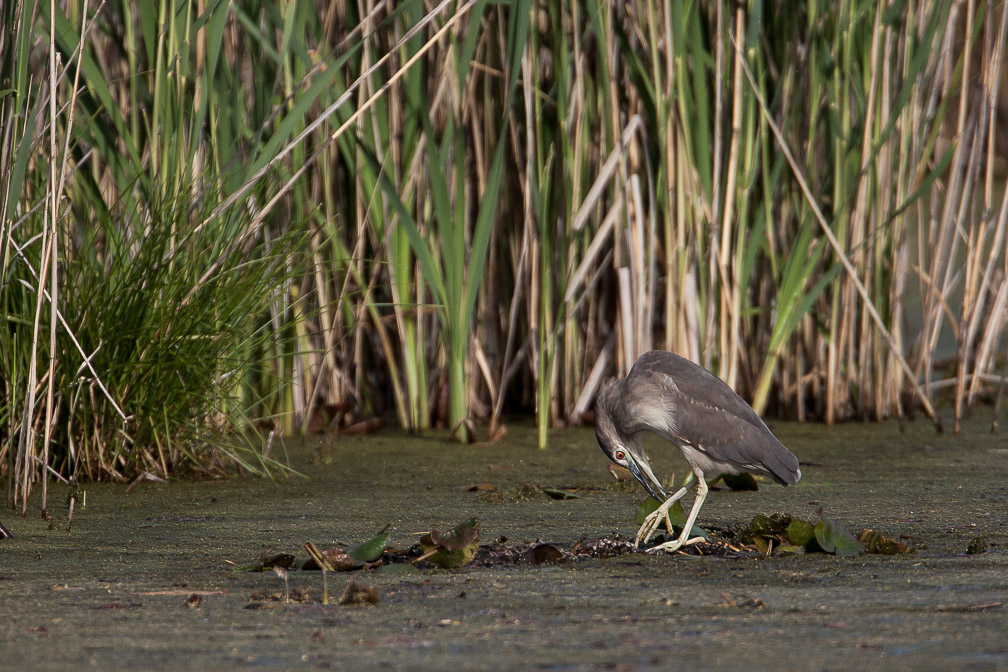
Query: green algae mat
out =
(157, 578)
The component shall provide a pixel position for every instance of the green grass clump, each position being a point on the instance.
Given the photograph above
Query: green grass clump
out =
(447, 212)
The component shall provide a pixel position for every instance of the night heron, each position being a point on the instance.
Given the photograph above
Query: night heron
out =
(716, 430)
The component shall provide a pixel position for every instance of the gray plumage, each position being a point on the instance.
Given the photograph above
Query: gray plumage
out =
(717, 431)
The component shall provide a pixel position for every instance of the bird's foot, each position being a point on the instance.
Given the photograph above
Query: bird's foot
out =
(652, 522)
(675, 545)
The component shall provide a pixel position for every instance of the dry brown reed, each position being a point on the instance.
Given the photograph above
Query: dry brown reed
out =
(503, 204)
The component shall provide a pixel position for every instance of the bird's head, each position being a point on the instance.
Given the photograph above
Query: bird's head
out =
(624, 450)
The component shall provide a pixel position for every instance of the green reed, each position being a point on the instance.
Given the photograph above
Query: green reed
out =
(448, 212)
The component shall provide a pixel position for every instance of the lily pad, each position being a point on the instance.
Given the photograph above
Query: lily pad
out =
(783, 534)
(800, 533)
(649, 506)
(833, 538)
(556, 493)
(372, 549)
(453, 548)
(775, 525)
(769, 533)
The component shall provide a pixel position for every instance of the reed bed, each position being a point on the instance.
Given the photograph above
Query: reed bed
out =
(226, 216)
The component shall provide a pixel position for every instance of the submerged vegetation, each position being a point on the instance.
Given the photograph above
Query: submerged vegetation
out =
(216, 214)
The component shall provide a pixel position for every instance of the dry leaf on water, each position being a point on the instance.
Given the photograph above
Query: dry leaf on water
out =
(358, 593)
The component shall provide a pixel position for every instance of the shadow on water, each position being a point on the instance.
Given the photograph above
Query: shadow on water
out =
(118, 591)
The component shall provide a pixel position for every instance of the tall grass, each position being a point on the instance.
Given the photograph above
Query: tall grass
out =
(448, 212)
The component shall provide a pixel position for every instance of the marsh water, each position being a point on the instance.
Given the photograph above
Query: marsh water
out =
(116, 592)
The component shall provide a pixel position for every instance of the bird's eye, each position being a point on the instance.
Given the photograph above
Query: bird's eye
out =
(620, 455)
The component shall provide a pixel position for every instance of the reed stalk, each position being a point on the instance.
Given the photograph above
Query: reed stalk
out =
(288, 208)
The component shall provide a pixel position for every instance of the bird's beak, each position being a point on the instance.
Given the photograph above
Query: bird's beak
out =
(641, 470)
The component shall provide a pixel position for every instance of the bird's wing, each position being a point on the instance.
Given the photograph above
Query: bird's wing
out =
(695, 382)
(702, 418)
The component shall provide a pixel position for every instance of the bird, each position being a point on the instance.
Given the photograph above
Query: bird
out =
(687, 405)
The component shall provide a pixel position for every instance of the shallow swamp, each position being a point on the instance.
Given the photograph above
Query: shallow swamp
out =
(148, 579)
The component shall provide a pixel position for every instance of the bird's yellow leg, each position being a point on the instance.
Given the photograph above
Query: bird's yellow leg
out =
(684, 538)
(656, 517)
(690, 482)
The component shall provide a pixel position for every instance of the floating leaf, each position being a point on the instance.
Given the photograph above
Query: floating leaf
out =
(354, 557)
(457, 538)
(649, 506)
(767, 526)
(769, 532)
(782, 534)
(875, 542)
(833, 538)
(800, 532)
(453, 548)
(372, 549)
(447, 559)
(763, 543)
(560, 494)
